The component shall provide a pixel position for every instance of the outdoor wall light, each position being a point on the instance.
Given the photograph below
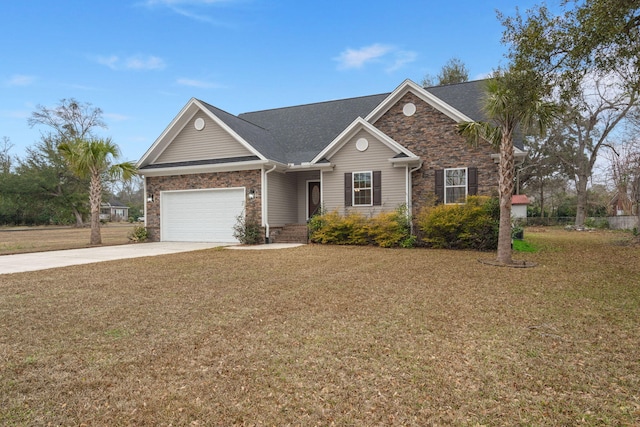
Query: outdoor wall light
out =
(150, 197)
(252, 194)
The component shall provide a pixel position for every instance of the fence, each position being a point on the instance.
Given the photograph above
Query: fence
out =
(613, 222)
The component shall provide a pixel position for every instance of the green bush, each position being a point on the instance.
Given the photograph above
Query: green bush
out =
(473, 225)
(248, 230)
(336, 229)
(392, 229)
(387, 229)
(139, 234)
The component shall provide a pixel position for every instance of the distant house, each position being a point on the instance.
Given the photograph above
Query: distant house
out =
(519, 203)
(114, 211)
(369, 154)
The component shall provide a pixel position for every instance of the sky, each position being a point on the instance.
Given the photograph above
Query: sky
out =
(141, 61)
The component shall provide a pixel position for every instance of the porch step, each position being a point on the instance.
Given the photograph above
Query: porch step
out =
(291, 233)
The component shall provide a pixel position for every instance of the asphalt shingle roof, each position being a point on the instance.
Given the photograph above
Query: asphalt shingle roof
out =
(297, 134)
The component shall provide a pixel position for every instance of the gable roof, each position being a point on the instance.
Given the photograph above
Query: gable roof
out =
(303, 131)
(357, 125)
(298, 134)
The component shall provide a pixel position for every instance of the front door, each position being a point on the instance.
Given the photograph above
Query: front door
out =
(313, 198)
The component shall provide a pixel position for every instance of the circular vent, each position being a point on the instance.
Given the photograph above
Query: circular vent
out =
(362, 144)
(199, 123)
(409, 109)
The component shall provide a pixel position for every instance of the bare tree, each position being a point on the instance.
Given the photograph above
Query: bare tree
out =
(599, 106)
(71, 119)
(6, 162)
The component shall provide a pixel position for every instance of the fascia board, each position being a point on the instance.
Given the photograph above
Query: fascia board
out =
(179, 122)
(223, 167)
(420, 92)
(230, 131)
(163, 140)
(355, 126)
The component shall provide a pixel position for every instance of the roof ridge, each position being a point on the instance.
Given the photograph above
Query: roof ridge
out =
(314, 103)
(232, 115)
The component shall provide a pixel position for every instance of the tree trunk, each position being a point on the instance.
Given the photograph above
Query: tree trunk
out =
(78, 215)
(505, 187)
(95, 198)
(581, 193)
(542, 198)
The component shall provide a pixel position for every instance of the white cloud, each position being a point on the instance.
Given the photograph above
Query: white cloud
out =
(116, 117)
(390, 56)
(357, 58)
(140, 62)
(401, 59)
(136, 62)
(198, 83)
(20, 80)
(180, 7)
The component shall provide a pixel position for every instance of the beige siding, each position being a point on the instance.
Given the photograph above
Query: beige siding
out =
(281, 202)
(212, 142)
(303, 178)
(376, 157)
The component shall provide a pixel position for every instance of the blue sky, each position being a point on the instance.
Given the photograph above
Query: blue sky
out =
(141, 61)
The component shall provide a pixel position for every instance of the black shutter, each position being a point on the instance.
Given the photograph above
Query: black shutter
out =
(377, 188)
(472, 181)
(348, 182)
(440, 185)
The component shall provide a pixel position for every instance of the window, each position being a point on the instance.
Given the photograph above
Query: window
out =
(455, 185)
(362, 188)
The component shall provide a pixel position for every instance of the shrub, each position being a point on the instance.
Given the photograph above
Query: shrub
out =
(387, 229)
(392, 229)
(336, 229)
(139, 234)
(473, 225)
(248, 230)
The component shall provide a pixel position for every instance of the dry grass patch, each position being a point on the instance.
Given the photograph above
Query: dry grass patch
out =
(15, 240)
(323, 335)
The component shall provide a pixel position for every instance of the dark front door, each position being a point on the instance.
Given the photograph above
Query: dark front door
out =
(313, 196)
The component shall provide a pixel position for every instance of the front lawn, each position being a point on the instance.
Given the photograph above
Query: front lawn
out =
(328, 335)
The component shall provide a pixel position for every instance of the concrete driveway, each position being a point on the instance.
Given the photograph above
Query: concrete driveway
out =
(43, 260)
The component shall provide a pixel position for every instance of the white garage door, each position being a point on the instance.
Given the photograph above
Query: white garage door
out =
(200, 215)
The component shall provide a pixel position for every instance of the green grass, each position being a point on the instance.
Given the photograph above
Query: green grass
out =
(524, 246)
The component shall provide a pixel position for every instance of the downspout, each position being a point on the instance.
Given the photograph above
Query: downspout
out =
(409, 198)
(265, 215)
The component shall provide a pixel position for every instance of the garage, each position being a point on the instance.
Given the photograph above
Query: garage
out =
(200, 215)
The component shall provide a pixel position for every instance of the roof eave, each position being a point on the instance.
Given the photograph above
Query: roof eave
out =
(220, 167)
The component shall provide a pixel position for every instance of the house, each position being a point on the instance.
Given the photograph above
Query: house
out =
(113, 210)
(367, 154)
(519, 203)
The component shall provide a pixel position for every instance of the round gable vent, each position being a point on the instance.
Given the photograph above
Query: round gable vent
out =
(199, 123)
(409, 109)
(362, 144)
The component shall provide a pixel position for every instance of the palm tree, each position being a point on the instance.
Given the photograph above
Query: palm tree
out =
(94, 159)
(514, 104)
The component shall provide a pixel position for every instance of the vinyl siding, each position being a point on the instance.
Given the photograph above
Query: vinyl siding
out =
(212, 142)
(281, 202)
(376, 157)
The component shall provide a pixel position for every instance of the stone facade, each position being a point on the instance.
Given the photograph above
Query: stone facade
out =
(433, 136)
(250, 179)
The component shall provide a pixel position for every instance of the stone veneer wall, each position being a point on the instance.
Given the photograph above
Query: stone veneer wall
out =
(433, 136)
(250, 179)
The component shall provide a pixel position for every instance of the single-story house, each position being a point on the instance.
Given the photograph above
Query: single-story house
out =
(114, 210)
(519, 203)
(368, 154)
